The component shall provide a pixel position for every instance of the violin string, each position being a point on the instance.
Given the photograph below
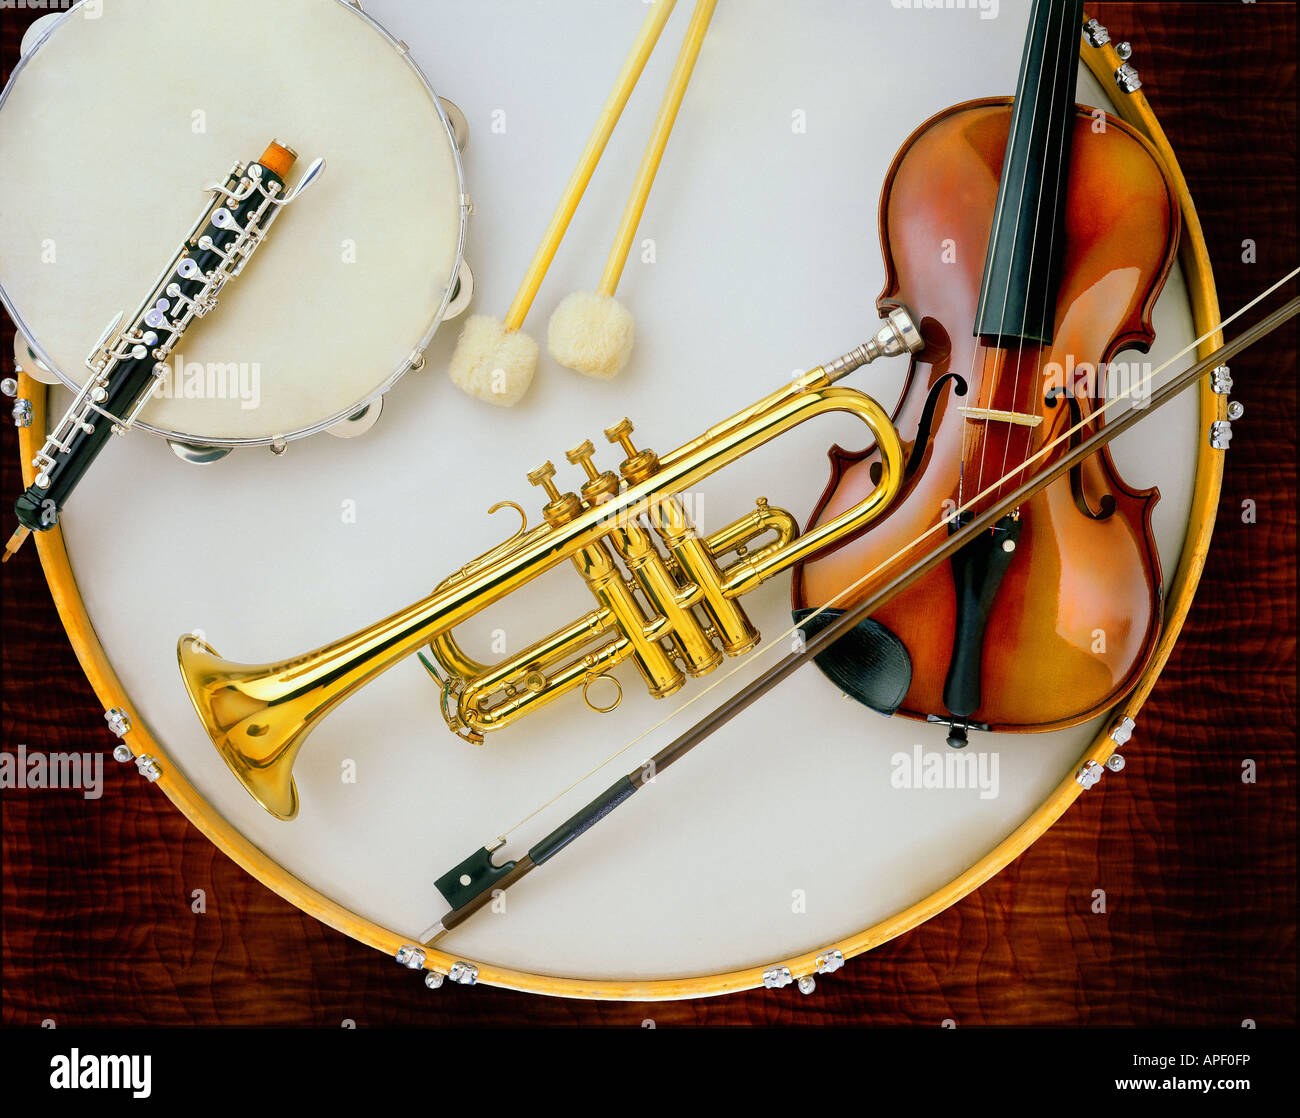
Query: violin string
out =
(999, 358)
(981, 352)
(1063, 59)
(762, 649)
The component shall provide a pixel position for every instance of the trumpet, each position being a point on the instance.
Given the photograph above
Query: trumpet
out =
(666, 598)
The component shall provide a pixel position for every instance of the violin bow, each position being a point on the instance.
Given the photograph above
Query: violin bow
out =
(476, 881)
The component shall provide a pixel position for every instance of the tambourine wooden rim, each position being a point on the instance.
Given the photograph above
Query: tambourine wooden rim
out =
(1134, 109)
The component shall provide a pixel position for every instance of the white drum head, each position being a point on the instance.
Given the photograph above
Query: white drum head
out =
(110, 132)
(783, 833)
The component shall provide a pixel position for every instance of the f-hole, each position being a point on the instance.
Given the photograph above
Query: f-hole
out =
(927, 416)
(1107, 509)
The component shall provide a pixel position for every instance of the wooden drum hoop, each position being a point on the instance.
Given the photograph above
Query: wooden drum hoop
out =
(1133, 108)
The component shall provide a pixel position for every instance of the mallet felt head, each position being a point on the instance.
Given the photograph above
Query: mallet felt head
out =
(592, 334)
(492, 363)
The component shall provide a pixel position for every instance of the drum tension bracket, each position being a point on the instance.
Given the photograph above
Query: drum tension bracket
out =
(1092, 771)
(120, 723)
(827, 962)
(414, 958)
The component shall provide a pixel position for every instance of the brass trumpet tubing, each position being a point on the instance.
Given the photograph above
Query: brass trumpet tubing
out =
(455, 661)
(597, 566)
(742, 532)
(667, 599)
(479, 682)
(728, 427)
(572, 675)
(258, 716)
(734, 630)
(697, 561)
(350, 663)
(474, 705)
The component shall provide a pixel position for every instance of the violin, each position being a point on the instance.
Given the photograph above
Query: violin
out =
(1030, 237)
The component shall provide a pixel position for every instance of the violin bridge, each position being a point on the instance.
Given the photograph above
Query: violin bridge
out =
(1018, 419)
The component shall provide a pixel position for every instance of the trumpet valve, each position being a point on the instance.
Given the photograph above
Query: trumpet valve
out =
(599, 487)
(639, 464)
(561, 507)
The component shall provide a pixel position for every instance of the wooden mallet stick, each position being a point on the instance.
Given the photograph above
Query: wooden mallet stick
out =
(592, 332)
(494, 359)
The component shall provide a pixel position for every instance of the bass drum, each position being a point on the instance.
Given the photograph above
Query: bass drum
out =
(806, 827)
(123, 149)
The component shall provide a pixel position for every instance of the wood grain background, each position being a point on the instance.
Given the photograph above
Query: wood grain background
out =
(1199, 868)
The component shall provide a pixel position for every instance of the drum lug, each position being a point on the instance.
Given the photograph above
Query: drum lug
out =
(118, 721)
(1220, 434)
(22, 411)
(1115, 762)
(1221, 380)
(459, 125)
(1088, 776)
(807, 984)
(359, 423)
(197, 455)
(434, 979)
(1126, 77)
(410, 956)
(777, 977)
(1122, 731)
(462, 294)
(829, 961)
(1097, 34)
(463, 974)
(148, 767)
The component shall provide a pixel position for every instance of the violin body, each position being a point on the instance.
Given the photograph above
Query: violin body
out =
(1075, 609)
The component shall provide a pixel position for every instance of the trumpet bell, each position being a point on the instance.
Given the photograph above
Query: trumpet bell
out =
(254, 724)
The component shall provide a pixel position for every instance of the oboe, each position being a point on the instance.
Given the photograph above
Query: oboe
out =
(130, 361)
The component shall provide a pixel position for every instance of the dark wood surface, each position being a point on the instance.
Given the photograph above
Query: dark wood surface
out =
(1198, 867)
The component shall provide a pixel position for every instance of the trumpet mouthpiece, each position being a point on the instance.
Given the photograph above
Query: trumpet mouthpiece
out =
(899, 335)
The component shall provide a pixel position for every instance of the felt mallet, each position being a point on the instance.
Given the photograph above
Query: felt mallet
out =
(494, 359)
(592, 332)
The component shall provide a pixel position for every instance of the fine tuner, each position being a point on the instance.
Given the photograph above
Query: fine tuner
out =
(666, 597)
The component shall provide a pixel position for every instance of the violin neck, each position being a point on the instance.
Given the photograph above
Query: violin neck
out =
(1018, 294)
